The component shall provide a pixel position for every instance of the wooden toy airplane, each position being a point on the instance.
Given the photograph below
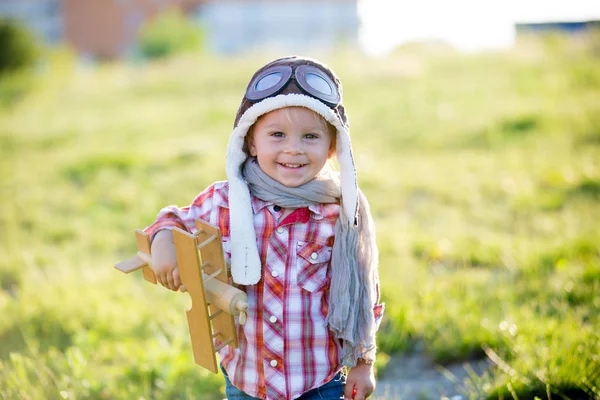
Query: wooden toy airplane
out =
(205, 278)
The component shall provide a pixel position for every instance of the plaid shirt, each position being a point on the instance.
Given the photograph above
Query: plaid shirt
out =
(285, 347)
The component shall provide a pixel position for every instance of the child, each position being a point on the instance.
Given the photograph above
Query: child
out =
(299, 238)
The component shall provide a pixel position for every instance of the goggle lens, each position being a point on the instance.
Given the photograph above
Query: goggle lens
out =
(318, 83)
(309, 79)
(268, 81)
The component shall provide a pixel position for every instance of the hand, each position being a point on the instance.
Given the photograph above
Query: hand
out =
(164, 260)
(360, 382)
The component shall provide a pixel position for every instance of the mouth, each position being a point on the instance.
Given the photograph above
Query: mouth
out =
(293, 166)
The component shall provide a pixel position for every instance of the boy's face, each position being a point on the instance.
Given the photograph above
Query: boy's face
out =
(291, 144)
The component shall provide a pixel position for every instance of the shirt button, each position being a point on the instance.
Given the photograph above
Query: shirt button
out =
(273, 363)
(274, 274)
(273, 319)
(314, 256)
(280, 230)
(276, 208)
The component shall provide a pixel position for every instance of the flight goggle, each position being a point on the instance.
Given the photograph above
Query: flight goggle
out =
(311, 80)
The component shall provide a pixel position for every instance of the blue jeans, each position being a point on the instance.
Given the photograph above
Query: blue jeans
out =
(332, 390)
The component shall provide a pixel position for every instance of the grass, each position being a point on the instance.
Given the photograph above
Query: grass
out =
(482, 171)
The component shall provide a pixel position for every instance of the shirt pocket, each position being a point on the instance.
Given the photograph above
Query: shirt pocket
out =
(313, 262)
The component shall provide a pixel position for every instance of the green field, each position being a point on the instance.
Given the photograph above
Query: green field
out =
(483, 173)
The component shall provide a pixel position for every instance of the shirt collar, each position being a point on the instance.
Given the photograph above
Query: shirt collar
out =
(317, 210)
(258, 205)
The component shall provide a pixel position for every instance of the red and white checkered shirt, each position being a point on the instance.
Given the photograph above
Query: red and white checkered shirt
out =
(285, 347)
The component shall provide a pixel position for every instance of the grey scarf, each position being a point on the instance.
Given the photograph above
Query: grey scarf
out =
(352, 293)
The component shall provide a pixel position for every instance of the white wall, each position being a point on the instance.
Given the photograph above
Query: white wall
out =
(291, 26)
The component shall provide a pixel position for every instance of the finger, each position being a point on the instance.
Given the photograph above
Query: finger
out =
(349, 390)
(183, 289)
(170, 283)
(176, 278)
(362, 393)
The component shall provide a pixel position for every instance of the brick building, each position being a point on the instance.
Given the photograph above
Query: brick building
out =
(108, 28)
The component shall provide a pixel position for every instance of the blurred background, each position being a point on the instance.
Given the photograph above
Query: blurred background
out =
(476, 132)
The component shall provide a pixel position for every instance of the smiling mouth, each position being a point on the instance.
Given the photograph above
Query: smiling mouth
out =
(292, 165)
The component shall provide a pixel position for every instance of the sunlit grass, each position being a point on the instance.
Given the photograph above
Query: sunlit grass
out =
(482, 172)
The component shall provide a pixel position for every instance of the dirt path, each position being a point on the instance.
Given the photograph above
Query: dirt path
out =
(414, 377)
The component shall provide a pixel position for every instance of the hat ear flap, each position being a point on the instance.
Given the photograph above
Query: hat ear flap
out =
(245, 261)
(348, 180)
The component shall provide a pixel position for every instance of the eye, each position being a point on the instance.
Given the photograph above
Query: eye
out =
(278, 134)
(311, 136)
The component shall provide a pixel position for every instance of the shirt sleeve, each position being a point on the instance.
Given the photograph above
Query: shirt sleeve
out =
(184, 217)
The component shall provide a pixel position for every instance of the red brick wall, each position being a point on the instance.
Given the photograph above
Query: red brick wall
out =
(106, 28)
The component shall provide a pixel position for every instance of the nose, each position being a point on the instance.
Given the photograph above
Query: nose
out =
(294, 146)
